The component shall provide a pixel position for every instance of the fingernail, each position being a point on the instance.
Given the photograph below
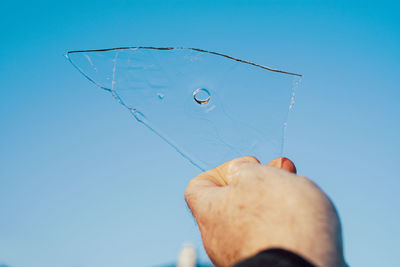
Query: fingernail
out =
(283, 163)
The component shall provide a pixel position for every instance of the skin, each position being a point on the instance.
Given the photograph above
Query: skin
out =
(243, 207)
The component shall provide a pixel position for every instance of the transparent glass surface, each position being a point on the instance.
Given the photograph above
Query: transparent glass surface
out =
(208, 106)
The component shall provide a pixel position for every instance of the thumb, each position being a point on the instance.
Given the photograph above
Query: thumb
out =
(203, 187)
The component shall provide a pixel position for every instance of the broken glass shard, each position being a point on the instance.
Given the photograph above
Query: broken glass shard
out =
(208, 106)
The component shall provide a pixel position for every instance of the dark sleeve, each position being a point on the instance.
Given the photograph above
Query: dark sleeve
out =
(275, 258)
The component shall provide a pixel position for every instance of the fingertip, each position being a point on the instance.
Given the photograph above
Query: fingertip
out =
(244, 159)
(283, 163)
(218, 176)
(233, 165)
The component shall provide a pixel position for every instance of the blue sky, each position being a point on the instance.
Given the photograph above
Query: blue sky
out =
(83, 184)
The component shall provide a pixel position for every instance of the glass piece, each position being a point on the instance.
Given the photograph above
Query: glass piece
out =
(239, 108)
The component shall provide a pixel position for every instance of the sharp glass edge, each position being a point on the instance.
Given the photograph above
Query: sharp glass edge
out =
(194, 49)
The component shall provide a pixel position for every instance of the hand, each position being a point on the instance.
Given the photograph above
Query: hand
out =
(243, 207)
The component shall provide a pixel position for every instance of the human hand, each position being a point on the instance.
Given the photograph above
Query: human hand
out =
(243, 207)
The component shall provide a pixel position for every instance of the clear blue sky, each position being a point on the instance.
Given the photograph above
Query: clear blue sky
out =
(83, 184)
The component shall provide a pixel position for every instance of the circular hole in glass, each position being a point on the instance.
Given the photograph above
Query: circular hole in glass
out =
(201, 96)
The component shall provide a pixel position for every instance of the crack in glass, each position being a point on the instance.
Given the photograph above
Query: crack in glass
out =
(208, 106)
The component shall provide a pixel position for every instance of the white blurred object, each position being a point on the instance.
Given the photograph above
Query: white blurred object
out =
(187, 257)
